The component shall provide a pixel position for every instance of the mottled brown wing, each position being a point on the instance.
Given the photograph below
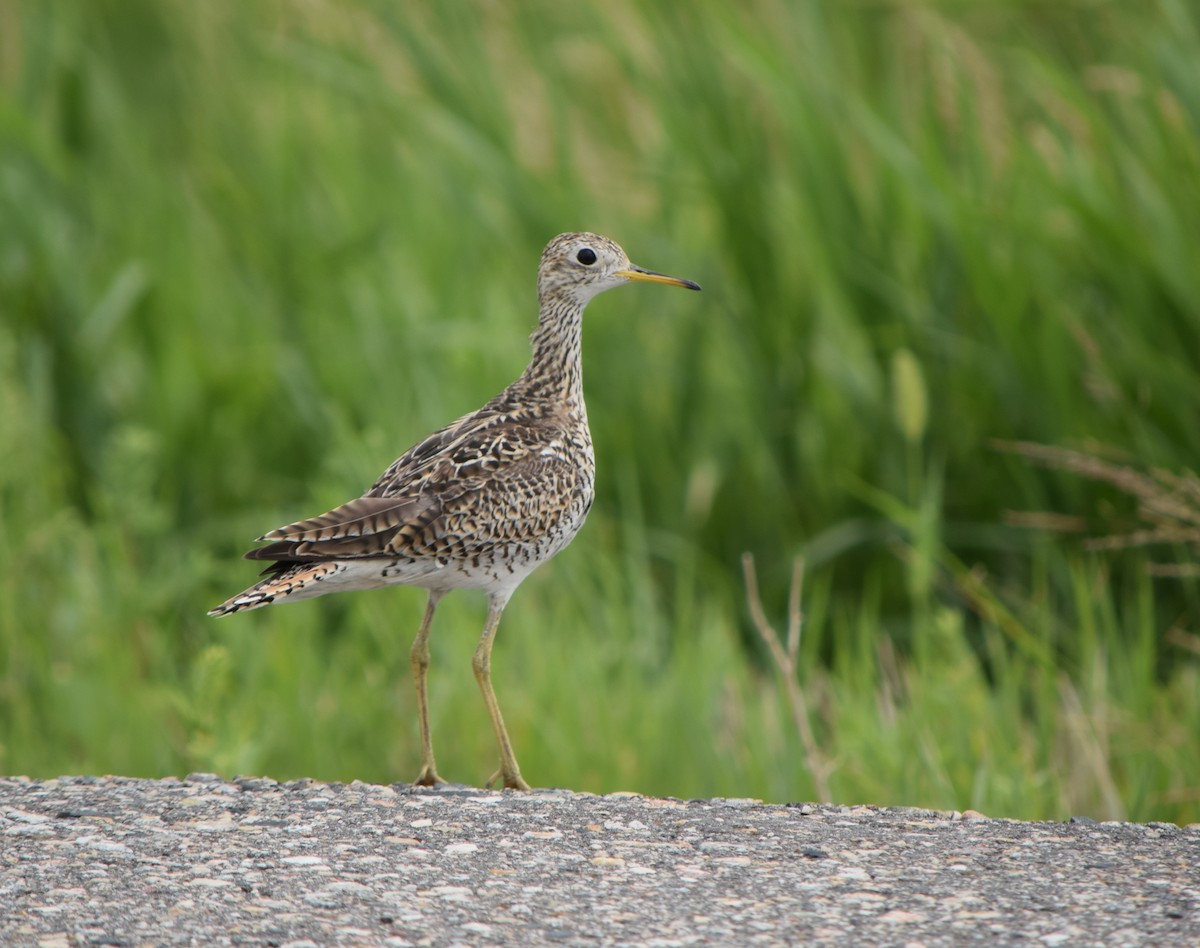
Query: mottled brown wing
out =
(367, 526)
(412, 468)
(474, 444)
(522, 499)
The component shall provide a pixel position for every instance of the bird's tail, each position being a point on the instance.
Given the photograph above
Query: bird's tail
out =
(294, 580)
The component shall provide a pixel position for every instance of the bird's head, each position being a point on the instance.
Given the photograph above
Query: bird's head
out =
(579, 266)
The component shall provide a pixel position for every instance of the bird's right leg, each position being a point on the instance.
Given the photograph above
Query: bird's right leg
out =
(509, 772)
(428, 777)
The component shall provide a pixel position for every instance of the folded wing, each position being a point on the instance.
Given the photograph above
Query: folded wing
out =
(367, 526)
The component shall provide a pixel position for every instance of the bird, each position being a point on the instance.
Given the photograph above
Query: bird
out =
(480, 503)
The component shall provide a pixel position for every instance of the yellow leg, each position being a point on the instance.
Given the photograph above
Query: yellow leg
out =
(482, 664)
(428, 777)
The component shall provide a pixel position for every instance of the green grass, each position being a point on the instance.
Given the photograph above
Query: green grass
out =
(250, 252)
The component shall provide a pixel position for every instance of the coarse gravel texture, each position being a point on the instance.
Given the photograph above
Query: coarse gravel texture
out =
(120, 861)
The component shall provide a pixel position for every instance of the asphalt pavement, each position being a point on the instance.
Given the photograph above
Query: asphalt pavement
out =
(205, 861)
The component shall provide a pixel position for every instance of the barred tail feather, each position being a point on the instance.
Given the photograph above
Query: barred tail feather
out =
(294, 580)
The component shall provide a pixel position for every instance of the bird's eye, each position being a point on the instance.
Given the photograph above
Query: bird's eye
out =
(587, 256)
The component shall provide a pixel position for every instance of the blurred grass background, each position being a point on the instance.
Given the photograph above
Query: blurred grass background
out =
(250, 252)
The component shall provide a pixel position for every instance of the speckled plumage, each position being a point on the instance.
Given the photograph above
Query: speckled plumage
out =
(479, 504)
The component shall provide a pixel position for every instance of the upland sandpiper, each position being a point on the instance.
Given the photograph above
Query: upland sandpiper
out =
(479, 504)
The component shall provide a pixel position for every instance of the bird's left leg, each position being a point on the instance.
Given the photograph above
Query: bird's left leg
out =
(428, 777)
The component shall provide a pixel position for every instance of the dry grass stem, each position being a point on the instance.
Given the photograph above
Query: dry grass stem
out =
(1168, 503)
(785, 658)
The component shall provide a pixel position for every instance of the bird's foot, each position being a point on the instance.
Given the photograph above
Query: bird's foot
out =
(512, 781)
(428, 777)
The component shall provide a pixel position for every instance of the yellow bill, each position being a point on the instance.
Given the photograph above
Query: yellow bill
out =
(649, 276)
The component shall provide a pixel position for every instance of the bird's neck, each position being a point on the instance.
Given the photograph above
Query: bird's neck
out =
(556, 369)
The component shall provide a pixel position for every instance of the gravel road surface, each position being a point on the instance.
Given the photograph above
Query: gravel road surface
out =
(117, 861)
